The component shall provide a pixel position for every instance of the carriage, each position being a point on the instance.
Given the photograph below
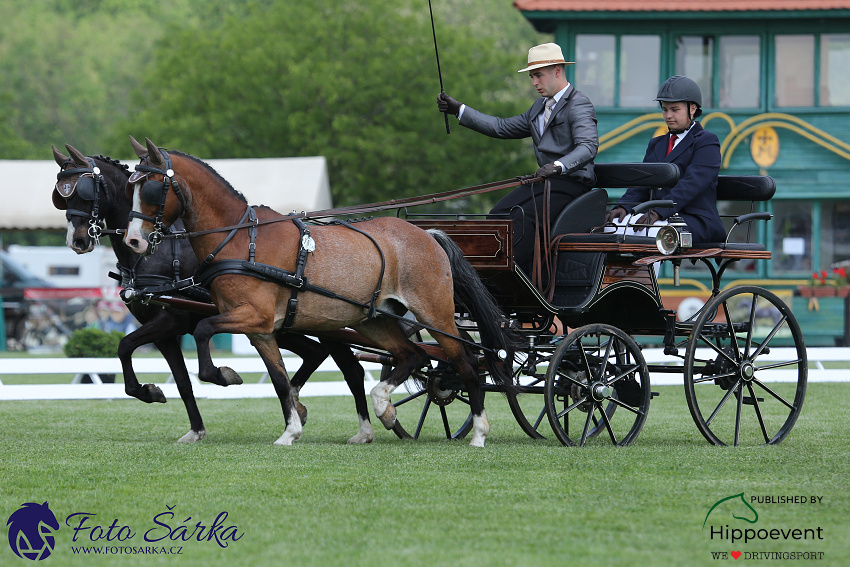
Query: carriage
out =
(592, 376)
(575, 369)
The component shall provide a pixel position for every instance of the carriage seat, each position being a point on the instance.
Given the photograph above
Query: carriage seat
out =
(752, 188)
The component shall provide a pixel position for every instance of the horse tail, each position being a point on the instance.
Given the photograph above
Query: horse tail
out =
(472, 295)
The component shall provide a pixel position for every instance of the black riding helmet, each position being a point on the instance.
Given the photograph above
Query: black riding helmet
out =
(679, 88)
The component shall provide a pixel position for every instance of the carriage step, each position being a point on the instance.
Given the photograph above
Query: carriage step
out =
(749, 401)
(654, 394)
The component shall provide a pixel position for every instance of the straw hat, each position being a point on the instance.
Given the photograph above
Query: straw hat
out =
(545, 55)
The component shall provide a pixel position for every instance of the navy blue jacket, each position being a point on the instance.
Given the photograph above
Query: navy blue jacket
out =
(695, 195)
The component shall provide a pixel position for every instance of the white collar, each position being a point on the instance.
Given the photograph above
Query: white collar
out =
(560, 93)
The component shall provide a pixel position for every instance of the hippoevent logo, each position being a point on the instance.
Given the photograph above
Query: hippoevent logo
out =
(32, 528)
(732, 520)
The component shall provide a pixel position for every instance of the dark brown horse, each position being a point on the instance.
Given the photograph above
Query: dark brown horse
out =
(96, 202)
(362, 277)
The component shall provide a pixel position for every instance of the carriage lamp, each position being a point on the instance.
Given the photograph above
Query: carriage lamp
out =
(673, 236)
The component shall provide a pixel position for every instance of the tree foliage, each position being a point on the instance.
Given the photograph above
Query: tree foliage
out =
(353, 81)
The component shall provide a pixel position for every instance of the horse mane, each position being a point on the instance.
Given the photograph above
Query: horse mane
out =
(210, 169)
(115, 162)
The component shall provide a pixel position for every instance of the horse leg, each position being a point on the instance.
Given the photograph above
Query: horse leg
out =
(463, 364)
(409, 357)
(145, 334)
(267, 348)
(312, 355)
(171, 351)
(354, 374)
(207, 370)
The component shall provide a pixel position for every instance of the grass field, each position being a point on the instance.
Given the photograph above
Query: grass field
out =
(428, 502)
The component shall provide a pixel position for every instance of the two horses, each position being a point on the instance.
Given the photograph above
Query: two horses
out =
(268, 273)
(92, 193)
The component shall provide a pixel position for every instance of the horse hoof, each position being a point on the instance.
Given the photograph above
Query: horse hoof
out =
(229, 376)
(154, 394)
(388, 418)
(361, 439)
(287, 439)
(193, 436)
(302, 412)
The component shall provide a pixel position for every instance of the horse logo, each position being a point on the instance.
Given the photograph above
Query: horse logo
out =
(738, 509)
(31, 530)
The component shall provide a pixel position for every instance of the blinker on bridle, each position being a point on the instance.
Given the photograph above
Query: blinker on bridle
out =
(155, 193)
(88, 187)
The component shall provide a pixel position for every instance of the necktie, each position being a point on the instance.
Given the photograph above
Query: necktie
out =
(547, 112)
(671, 143)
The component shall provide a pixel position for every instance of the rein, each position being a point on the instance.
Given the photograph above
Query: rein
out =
(392, 204)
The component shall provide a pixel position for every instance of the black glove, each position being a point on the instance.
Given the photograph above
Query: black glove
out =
(548, 170)
(617, 213)
(447, 104)
(649, 218)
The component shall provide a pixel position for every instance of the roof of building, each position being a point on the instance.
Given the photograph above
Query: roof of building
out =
(678, 5)
(284, 184)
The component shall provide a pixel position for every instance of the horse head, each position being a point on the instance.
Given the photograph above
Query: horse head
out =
(157, 196)
(85, 189)
(31, 530)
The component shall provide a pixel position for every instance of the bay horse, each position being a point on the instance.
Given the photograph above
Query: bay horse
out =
(95, 203)
(273, 272)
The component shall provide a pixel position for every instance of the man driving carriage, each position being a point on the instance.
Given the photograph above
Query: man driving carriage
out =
(697, 153)
(562, 125)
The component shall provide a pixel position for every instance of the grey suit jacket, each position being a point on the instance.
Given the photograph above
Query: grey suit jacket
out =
(570, 136)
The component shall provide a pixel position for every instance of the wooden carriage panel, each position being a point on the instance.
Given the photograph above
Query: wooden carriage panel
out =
(618, 269)
(486, 244)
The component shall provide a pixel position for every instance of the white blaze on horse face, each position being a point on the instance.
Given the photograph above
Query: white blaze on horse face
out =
(134, 239)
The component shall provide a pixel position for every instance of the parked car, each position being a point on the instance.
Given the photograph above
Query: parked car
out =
(15, 279)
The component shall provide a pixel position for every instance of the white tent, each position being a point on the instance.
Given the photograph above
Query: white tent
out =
(284, 184)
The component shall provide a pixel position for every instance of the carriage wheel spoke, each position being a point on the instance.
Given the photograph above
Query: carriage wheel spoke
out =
(539, 418)
(409, 398)
(774, 394)
(751, 327)
(630, 370)
(625, 406)
(446, 422)
(722, 403)
(584, 432)
(758, 412)
(717, 349)
(608, 426)
(779, 364)
(713, 377)
(733, 338)
(739, 396)
(770, 336)
(571, 407)
(422, 418)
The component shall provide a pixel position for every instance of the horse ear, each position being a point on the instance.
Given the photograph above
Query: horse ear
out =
(58, 156)
(140, 150)
(78, 157)
(153, 153)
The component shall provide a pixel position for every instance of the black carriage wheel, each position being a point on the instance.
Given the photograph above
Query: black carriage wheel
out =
(529, 414)
(738, 392)
(433, 407)
(596, 370)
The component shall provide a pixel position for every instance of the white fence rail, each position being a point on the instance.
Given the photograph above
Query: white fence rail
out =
(94, 367)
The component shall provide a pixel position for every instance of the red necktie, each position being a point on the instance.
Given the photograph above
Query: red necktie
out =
(671, 143)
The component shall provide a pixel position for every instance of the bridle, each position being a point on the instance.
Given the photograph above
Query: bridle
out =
(155, 193)
(88, 186)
